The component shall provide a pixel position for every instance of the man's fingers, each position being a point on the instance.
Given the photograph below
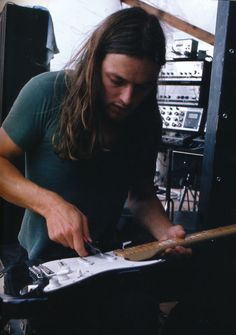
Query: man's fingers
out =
(183, 250)
(178, 231)
(70, 228)
(78, 246)
(81, 236)
(57, 237)
(86, 232)
(177, 251)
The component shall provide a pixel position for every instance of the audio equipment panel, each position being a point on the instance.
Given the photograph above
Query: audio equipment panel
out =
(180, 95)
(181, 118)
(185, 70)
(183, 48)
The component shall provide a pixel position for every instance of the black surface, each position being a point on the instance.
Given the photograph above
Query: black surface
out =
(218, 182)
(23, 54)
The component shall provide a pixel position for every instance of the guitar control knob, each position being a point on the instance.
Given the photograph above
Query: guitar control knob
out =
(85, 261)
(110, 257)
(53, 283)
(62, 275)
(64, 267)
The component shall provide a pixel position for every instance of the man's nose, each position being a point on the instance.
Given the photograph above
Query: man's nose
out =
(127, 95)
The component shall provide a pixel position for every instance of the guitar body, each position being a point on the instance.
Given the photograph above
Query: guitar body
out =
(66, 272)
(62, 273)
(95, 282)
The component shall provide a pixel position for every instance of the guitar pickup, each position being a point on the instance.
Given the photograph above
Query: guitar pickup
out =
(46, 271)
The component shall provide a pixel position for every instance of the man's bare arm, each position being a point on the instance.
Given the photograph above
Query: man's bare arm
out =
(66, 224)
(149, 211)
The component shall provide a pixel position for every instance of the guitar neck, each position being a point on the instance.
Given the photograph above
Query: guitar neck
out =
(149, 250)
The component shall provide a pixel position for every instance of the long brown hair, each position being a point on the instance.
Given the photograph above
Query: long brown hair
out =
(130, 31)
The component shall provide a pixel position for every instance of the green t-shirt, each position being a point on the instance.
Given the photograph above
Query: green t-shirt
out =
(97, 186)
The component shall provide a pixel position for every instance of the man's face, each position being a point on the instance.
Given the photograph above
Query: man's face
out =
(126, 82)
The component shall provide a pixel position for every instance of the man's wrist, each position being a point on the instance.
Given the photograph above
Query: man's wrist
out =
(47, 201)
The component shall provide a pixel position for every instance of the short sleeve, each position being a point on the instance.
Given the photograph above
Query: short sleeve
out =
(26, 120)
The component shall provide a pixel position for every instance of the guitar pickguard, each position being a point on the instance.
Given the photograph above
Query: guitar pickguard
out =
(64, 272)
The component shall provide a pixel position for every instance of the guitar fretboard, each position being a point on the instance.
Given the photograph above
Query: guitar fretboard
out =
(149, 250)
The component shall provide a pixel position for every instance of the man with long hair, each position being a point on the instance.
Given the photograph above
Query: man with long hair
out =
(90, 135)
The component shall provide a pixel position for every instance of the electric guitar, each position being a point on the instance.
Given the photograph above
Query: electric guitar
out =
(64, 272)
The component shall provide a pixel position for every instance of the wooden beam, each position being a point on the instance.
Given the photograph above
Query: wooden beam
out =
(174, 21)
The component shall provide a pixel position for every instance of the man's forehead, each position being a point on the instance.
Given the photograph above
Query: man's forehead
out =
(130, 68)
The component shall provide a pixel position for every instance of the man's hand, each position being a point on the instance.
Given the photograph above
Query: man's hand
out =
(68, 226)
(175, 232)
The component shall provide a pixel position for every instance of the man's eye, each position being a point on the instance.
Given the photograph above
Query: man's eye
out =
(143, 87)
(117, 82)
